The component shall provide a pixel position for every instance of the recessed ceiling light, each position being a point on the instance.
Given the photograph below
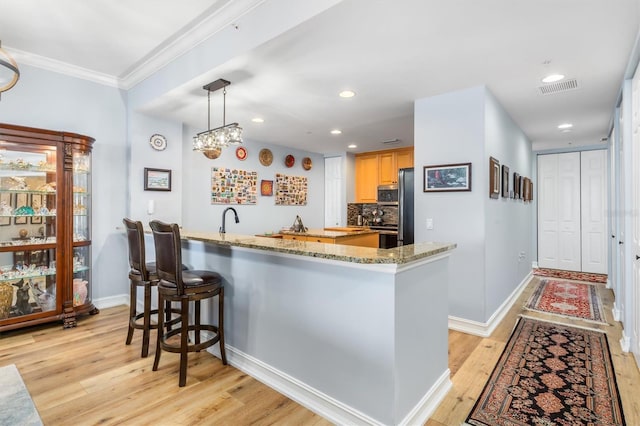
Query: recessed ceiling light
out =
(257, 120)
(336, 132)
(565, 126)
(552, 78)
(565, 130)
(347, 94)
(353, 145)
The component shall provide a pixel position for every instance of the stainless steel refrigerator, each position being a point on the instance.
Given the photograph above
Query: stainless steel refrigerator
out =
(405, 206)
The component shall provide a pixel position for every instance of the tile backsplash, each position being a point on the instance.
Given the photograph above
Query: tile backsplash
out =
(389, 216)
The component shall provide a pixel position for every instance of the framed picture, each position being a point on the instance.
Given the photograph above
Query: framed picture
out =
(526, 190)
(516, 185)
(266, 188)
(5, 200)
(494, 178)
(530, 190)
(521, 188)
(505, 181)
(157, 179)
(447, 177)
(36, 204)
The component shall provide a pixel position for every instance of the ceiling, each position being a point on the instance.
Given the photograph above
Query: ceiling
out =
(390, 52)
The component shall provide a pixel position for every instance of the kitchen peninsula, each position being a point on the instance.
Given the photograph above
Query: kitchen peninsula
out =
(356, 334)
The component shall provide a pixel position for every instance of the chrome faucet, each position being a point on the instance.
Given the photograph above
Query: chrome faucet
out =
(224, 214)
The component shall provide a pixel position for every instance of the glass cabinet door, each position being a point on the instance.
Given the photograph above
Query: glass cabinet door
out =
(28, 229)
(81, 228)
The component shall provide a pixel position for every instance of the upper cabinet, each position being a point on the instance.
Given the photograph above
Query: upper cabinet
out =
(379, 168)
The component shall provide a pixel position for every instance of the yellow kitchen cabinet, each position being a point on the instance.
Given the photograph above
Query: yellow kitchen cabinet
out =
(366, 178)
(379, 168)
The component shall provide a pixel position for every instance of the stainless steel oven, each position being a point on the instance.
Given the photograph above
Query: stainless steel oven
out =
(388, 235)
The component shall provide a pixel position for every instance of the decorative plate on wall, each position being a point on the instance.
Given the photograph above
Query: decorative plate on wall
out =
(158, 142)
(307, 163)
(241, 153)
(266, 157)
(289, 160)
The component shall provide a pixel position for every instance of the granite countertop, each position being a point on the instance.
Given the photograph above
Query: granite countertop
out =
(331, 233)
(344, 253)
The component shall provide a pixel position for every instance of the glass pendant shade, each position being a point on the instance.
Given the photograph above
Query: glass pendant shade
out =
(211, 142)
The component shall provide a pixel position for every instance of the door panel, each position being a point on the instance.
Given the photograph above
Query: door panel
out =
(593, 211)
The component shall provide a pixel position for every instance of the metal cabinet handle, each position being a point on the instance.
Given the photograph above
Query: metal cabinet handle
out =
(613, 236)
(620, 242)
(637, 257)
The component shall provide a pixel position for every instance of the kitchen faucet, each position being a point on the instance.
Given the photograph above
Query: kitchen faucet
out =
(224, 213)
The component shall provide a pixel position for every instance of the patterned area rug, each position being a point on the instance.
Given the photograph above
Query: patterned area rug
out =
(569, 299)
(16, 406)
(571, 275)
(551, 374)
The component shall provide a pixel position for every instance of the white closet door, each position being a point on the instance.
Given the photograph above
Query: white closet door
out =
(548, 211)
(333, 200)
(559, 211)
(634, 303)
(593, 173)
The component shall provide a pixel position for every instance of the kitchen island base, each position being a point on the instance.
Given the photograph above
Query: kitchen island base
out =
(357, 343)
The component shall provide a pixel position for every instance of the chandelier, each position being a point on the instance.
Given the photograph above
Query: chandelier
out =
(211, 141)
(9, 72)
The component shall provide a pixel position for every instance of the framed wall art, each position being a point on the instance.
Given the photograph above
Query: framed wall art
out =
(157, 179)
(266, 188)
(5, 204)
(530, 190)
(521, 188)
(233, 186)
(526, 190)
(36, 204)
(447, 177)
(291, 190)
(516, 185)
(494, 178)
(505, 181)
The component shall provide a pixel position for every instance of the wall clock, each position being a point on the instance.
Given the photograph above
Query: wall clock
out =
(158, 142)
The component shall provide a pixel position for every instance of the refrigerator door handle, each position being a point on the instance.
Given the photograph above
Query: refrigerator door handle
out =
(401, 197)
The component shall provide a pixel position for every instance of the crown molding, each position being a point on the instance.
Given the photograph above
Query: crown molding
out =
(27, 58)
(181, 42)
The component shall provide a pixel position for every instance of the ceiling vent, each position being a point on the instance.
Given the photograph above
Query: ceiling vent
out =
(559, 87)
(395, 141)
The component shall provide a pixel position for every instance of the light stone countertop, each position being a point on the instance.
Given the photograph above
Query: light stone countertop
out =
(345, 253)
(324, 233)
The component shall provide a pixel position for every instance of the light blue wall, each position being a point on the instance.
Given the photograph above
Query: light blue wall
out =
(49, 100)
(470, 126)
(508, 223)
(199, 214)
(450, 129)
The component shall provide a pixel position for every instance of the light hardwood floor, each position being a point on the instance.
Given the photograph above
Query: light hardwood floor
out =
(88, 376)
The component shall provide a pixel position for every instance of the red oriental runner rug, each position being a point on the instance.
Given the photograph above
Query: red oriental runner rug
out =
(569, 299)
(551, 374)
(571, 275)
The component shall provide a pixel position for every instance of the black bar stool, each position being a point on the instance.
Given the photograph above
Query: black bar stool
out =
(142, 274)
(176, 285)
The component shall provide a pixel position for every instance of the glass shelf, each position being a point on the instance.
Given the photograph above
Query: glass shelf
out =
(27, 191)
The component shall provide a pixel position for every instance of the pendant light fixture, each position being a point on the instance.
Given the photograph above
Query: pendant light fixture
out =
(9, 72)
(211, 141)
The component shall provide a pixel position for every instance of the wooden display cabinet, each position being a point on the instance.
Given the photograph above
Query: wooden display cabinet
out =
(45, 227)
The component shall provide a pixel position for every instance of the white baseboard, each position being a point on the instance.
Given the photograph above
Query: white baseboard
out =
(111, 301)
(534, 264)
(484, 329)
(625, 342)
(316, 401)
(617, 313)
(429, 402)
(323, 404)
(609, 283)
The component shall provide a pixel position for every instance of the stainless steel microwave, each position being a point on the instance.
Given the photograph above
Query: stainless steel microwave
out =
(388, 194)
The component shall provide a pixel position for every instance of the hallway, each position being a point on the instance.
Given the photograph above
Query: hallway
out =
(472, 359)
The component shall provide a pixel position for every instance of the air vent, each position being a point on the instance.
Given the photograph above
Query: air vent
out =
(395, 141)
(559, 87)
